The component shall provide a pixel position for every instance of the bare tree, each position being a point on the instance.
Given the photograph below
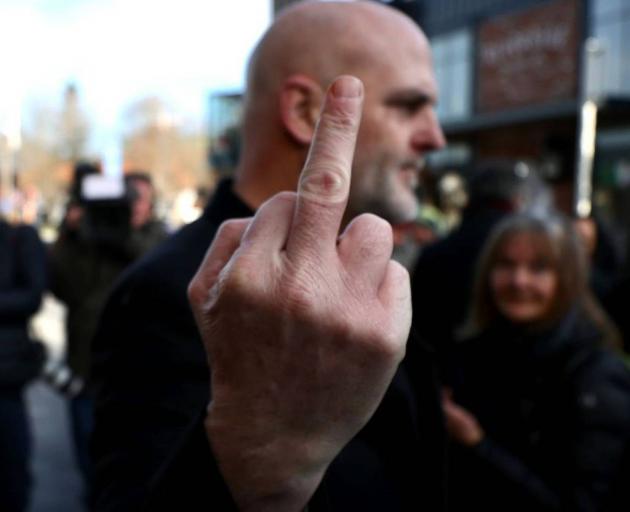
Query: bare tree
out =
(157, 144)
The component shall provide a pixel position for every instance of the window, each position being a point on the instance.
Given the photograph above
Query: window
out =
(452, 55)
(611, 28)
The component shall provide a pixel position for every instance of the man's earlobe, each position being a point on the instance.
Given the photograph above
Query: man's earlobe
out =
(300, 103)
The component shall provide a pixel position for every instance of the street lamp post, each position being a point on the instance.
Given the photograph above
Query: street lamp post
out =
(587, 134)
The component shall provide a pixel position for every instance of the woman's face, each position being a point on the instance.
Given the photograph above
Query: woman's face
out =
(523, 280)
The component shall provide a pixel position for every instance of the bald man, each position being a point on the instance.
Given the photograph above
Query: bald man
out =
(298, 311)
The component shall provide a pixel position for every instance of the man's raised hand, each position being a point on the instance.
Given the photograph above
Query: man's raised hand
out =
(304, 329)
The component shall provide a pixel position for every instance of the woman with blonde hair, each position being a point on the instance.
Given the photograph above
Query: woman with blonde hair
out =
(540, 407)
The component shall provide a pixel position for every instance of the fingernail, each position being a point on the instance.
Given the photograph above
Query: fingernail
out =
(347, 87)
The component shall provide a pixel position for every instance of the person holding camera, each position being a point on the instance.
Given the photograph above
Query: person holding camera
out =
(102, 233)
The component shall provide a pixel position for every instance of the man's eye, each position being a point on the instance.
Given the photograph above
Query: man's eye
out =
(410, 107)
(409, 103)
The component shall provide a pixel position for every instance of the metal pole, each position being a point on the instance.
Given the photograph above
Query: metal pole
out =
(587, 128)
(586, 145)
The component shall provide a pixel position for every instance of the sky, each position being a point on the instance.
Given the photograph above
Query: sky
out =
(118, 51)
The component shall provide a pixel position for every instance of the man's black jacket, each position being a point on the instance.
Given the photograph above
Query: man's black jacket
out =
(150, 448)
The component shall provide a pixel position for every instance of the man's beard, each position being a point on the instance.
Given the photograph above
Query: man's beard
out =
(389, 197)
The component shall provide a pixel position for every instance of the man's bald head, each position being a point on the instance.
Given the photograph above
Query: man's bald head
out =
(307, 47)
(323, 40)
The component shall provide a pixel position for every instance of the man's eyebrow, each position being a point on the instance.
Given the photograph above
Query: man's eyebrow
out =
(410, 97)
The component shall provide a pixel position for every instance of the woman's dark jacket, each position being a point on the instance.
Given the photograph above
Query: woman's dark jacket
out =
(555, 408)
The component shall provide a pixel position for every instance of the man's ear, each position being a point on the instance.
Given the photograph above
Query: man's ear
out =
(300, 103)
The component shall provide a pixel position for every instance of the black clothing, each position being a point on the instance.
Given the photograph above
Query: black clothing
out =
(85, 263)
(22, 278)
(153, 381)
(82, 274)
(616, 305)
(555, 408)
(22, 283)
(442, 281)
(606, 262)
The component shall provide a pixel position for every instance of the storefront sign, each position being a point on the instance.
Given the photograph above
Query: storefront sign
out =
(529, 58)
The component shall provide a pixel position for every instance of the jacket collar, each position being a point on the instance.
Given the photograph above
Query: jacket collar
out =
(225, 204)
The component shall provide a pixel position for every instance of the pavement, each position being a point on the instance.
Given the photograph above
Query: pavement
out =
(57, 482)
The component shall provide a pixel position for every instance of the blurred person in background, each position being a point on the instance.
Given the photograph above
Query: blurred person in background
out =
(452, 198)
(22, 283)
(608, 279)
(443, 277)
(409, 239)
(540, 406)
(146, 230)
(412, 236)
(100, 236)
(602, 243)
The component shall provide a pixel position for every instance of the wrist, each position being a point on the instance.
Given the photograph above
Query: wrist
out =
(265, 470)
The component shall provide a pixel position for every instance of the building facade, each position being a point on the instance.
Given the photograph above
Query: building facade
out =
(513, 77)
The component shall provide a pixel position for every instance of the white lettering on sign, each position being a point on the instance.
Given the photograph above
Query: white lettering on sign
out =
(550, 38)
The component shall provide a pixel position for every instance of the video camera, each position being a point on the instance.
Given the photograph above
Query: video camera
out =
(107, 202)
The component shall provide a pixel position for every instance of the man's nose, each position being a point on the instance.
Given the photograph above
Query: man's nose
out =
(428, 135)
